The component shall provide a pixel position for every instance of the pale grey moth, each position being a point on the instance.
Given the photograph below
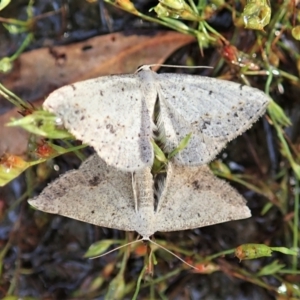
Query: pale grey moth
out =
(99, 194)
(115, 115)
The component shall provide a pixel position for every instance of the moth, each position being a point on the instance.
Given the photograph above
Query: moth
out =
(116, 115)
(96, 193)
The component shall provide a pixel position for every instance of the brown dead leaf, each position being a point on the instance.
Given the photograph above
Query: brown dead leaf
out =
(13, 139)
(37, 73)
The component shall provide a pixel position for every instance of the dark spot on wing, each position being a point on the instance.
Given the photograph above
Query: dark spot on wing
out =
(111, 128)
(205, 124)
(196, 185)
(210, 92)
(94, 181)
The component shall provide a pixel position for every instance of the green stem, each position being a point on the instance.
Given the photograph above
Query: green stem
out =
(296, 225)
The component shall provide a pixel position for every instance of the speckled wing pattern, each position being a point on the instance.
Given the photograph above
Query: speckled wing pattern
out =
(213, 110)
(105, 196)
(193, 197)
(95, 193)
(114, 114)
(110, 114)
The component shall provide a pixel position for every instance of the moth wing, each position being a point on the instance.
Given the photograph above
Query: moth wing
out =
(95, 193)
(193, 197)
(110, 114)
(213, 110)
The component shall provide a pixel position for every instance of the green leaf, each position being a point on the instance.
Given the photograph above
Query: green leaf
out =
(270, 269)
(159, 154)
(252, 251)
(256, 14)
(42, 123)
(277, 114)
(296, 33)
(183, 143)
(4, 3)
(100, 247)
(266, 208)
(285, 250)
(5, 65)
(175, 9)
(11, 166)
(116, 288)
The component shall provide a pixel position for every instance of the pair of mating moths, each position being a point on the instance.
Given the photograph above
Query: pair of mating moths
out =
(115, 114)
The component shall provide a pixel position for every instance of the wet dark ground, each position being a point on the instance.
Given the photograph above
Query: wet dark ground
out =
(42, 254)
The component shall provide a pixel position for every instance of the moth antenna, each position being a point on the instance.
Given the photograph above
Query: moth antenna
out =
(115, 249)
(172, 66)
(151, 241)
(169, 251)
